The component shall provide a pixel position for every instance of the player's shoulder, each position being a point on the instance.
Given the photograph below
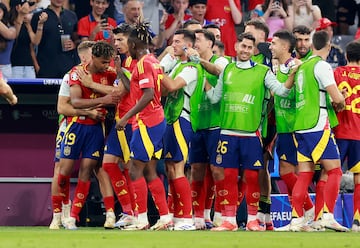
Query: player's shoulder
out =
(73, 76)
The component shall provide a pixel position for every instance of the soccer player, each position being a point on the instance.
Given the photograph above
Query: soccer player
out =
(148, 128)
(314, 117)
(61, 210)
(65, 108)
(262, 55)
(241, 90)
(347, 134)
(180, 109)
(83, 135)
(303, 42)
(117, 143)
(282, 45)
(203, 144)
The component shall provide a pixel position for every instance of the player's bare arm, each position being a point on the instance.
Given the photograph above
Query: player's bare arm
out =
(173, 84)
(146, 98)
(78, 102)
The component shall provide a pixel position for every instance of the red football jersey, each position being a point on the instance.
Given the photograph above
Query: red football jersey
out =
(147, 74)
(348, 77)
(125, 103)
(87, 24)
(107, 78)
(219, 12)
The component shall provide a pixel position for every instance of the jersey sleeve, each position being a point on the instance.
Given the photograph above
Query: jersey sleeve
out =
(146, 74)
(74, 78)
(324, 74)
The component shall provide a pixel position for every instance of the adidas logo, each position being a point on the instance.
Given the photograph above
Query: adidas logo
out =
(224, 202)
(283, 157)
(195, 203)
(168, 155)
(96, 154)
(122, 192)
(257, 163)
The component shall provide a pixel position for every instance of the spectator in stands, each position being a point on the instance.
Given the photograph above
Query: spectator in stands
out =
(118, 12)
(327, 8)
(336, 56)
(198, 9)
(53, 60)
(345, 15)
(277, 15)
(133, 12)
(305, 13)
(175, 20)
(23, 51)
(226, 14)
(10, 24)
(153, 12)
(96, 25)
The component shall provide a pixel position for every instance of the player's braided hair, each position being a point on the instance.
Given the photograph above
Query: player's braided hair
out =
(103, 49)
(141, 33)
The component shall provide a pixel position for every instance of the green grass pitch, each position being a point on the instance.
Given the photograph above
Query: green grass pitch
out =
(39, 237)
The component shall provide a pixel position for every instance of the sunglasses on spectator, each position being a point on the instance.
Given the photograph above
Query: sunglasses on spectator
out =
(25, 1)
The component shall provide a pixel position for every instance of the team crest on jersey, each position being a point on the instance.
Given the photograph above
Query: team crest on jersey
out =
(120, 183)
(80, 196)
(219, 159)
(74, 76)
(67, 150)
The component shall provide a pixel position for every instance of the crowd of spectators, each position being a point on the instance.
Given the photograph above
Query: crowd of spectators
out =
(38, 37)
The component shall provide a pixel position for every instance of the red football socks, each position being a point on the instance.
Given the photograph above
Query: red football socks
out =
(183, 195)
(230, 192)
(253, 191)
(120, 186)
(299, 192)
(331, 190)
(81, 193)
(141, 192)
(157, 190)
(198, 198)
(319, 199)
(64, 188)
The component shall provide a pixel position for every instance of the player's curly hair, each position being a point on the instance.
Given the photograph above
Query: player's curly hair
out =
(141, 32)
(103, 49)
(123, 28)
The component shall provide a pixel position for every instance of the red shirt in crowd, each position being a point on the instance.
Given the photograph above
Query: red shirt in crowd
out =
(87, 24)
(218, 12)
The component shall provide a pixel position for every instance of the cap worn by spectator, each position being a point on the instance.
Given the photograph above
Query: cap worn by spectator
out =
(193, 2)
(324, 23)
